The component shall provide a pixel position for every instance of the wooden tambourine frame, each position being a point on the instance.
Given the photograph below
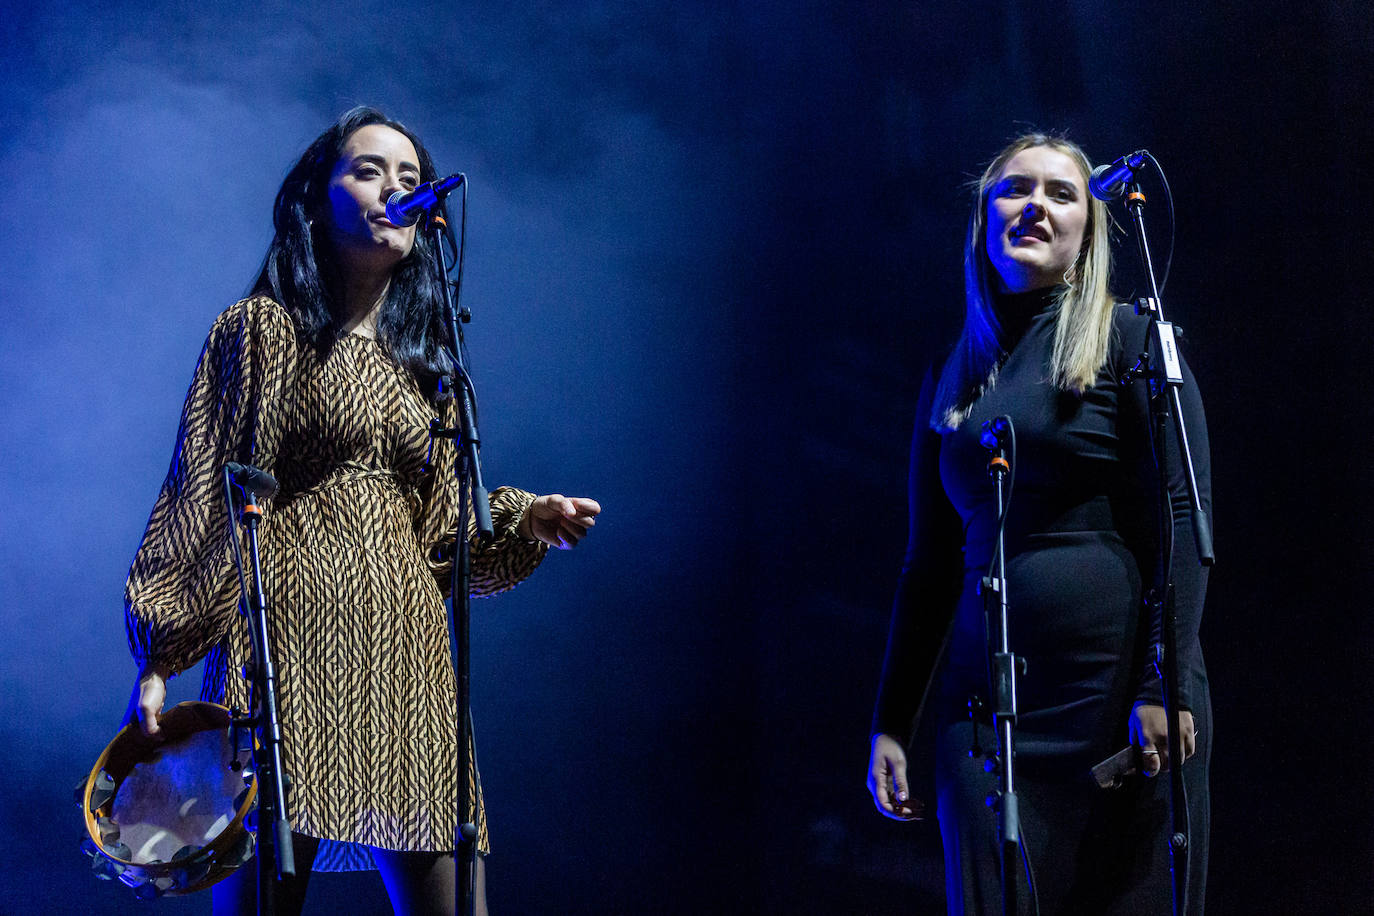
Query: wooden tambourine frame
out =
(192, 868)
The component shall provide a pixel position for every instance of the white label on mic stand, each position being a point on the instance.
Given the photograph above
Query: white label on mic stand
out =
(1168, 350)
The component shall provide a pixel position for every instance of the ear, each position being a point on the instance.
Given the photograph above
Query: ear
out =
(1075, 269)
(315, 206)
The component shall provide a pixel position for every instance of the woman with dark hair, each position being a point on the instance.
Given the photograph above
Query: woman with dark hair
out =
(1044, 344)
(327, 377)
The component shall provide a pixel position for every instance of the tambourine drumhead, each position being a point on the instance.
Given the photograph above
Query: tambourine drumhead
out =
(167, 816)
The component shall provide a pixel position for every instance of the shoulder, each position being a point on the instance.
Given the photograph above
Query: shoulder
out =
(929, 391)
(1125, 320)
(257, 312)
(252, 323)
(1131, 332)
(256, 335)
(1130, 335)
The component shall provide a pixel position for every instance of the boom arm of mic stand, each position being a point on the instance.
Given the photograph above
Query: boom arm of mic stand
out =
(471, 446)
(1202, 527)
(470, 441)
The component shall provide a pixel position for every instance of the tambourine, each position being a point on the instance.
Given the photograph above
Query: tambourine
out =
(168, 816)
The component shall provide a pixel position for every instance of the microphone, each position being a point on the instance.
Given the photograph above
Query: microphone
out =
(253, 480)
(404, 208)
(1108, 181)
(995, 433)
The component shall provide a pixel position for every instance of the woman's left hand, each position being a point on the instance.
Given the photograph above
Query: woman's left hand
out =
(559, 521)
(1148, 732)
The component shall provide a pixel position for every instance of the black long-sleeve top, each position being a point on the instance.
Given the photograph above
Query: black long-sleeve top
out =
(1083, 463)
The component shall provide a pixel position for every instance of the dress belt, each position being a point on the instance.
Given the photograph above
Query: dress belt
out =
(350, 475)
(1088, 515)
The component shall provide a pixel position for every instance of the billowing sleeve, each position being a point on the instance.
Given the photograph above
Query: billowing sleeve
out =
(928, 589)
(1187, 573)
(182, 592)
(497, 566)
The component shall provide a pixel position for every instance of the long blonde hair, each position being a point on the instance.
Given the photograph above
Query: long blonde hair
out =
(1082, 325)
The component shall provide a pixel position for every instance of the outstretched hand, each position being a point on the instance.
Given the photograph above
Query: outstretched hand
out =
(559, 521)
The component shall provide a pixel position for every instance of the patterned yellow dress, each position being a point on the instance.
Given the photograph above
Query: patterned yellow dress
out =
(356, 605)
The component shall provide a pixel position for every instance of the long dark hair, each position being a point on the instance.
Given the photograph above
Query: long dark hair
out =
(300, 273)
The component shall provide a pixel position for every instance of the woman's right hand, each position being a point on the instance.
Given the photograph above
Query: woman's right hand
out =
(145, 706)
(887, 780)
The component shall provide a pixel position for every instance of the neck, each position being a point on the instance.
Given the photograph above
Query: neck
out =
(1039, 294)
(1015, 311)
(1027, 282)
(363, 295)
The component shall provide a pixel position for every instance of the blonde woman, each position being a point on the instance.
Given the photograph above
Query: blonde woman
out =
(1045, 344)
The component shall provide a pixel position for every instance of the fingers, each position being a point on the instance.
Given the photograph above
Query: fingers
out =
(880, 785)
(560, 505)
(562, 521)
(880, 767)
(148, 715)
(559, 533)
(897, 804)
(899, 785)
(151, 693)
(577, 508)
(585, 507)
(878, 788)
(569, 533)
(1150, 734)
(907, 808)
(885, 796)
(887, 782)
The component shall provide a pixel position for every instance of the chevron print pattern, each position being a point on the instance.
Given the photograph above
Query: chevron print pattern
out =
(357, 620)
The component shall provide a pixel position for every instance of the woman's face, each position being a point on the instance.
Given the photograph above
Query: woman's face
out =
(1037, 213)
(376, 162)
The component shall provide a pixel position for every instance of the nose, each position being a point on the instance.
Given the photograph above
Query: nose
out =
(391, 186)
(1035, 206)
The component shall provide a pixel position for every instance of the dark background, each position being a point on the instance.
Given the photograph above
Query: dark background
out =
(711, 249)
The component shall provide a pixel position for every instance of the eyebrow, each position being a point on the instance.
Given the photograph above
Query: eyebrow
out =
(1022, 176)
(381, 160)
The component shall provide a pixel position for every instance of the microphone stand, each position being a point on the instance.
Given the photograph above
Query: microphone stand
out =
(276, 857)
(1005, 666)
(1165, 376)
(468, 468)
